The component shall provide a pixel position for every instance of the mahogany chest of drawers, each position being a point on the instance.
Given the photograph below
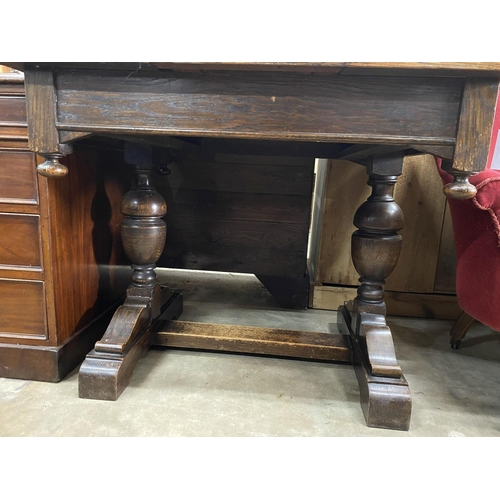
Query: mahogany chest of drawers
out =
(62, 268)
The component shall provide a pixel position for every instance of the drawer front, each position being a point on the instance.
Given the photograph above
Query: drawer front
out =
(20, 241)
(18, 182)
(22, 309)
(12, 110)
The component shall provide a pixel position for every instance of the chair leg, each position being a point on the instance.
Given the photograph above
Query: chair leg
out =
(460, 329)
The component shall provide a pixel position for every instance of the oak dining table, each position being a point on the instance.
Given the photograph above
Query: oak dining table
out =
(370, 113)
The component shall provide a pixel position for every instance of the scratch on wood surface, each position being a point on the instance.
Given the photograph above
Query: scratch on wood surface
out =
(134, 72)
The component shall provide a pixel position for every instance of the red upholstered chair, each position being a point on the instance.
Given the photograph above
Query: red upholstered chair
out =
(476, 227)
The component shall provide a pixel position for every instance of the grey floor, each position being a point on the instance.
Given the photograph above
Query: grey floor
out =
(186, 393)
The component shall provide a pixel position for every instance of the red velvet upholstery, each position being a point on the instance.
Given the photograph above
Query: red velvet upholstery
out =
(477, 240)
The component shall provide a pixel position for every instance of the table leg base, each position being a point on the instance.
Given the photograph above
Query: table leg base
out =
(385, 401)
(105, 375)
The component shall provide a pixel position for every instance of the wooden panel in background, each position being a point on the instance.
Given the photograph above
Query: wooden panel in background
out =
(340, 205)
(419, 193)
(261, 177)
(241, 206)
(233, 259)
(446, 271)
(418, 305)
(237, 213)
(210, 232)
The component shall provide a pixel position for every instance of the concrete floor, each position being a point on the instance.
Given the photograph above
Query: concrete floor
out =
(186, 393)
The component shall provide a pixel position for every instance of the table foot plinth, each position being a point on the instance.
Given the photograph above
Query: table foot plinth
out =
(385, 400)
(104, 375)
(108, 368)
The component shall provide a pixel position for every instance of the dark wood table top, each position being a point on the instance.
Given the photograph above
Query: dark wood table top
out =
(455, 69)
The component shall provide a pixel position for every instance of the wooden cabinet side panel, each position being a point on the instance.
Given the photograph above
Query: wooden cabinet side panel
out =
(89, 269)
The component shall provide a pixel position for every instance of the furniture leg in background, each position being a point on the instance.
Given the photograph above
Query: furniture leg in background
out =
(385, 397)
(108, 368)
(460, 328)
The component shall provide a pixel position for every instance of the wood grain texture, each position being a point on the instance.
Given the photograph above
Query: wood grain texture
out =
(275, 149)
(376, 244)
(18, 183)
(105, 376)
(240, 175)
(90, 270)
(22, 273)
(41, 111)
(416, 305)
(386, 401)
(382, 356)
(237, 212)
(49, 363)
(15, 143)
(29, 362)
(335, 263)
(446, 269)
(267, 235)
(17, 208)
(386, 68)
(143, 229)
(108, 368)
(20, 242)
(12, 110)
(30, 346)
(261, 105)
(237, 206)
(22, 309)
(475, 124)
(331, 297)
(419, 194)
(252, 340)
(233, 258)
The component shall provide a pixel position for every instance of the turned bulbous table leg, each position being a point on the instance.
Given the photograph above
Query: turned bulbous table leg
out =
(376, 245)
(107, 369)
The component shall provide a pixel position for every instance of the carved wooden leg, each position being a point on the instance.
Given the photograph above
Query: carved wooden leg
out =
(460, 329)
(107, 369)
(385, 397)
